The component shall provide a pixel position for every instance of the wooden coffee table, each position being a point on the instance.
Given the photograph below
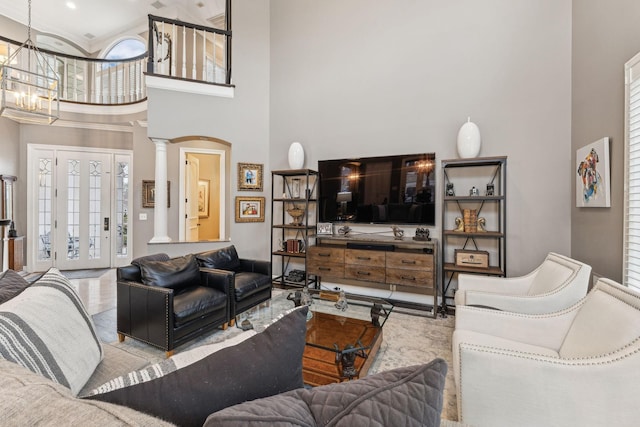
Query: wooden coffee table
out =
(341, 345)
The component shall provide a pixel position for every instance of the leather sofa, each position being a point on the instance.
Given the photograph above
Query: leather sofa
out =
(249, 280)
(166, 302)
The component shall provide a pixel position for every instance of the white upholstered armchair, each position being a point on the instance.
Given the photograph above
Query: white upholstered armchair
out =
(557, 283)
(577, 367)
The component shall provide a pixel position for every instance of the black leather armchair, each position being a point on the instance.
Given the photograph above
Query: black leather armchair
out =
(250, 279)
(167, 302)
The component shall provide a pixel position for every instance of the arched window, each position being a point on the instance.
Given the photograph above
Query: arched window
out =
(125, 49)
(113, 77)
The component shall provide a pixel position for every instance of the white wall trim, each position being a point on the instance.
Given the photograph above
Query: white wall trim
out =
(189, 87)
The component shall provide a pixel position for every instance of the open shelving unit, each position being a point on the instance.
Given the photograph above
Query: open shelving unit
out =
(292, 188)
(474, 173)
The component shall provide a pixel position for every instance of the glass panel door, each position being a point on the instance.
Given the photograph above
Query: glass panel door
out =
(82, 234)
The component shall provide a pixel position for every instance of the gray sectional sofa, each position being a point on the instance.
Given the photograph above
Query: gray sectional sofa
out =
(56, 372)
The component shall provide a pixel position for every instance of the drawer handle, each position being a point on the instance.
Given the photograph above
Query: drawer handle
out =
(413, 279)
(364, 258)
(404, 261)
(324, 268)
(324, 255)
(363, 273)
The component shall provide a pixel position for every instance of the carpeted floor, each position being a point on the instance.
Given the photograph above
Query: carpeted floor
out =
(410, 337)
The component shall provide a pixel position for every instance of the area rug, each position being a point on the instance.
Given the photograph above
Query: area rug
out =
(410, 337)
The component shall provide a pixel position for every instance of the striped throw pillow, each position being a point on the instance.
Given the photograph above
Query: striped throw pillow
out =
(46, 329)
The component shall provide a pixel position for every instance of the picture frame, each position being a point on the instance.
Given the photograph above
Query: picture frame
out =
(250, 209)
(149, 193)
(203, 198)
(324, 228)
(250, 176)
(593, 175)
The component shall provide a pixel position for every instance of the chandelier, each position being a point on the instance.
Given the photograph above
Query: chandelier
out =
(29, 85)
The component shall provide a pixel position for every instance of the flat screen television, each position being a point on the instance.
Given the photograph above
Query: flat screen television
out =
(397, 189)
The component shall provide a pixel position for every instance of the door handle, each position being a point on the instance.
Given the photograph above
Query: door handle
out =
(106, 224)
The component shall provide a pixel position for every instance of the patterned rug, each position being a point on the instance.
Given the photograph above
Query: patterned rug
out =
(410, 337)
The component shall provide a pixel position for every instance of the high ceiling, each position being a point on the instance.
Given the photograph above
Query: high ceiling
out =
(95, 23)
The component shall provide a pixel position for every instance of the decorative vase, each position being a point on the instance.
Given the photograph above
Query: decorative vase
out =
(296, 156)
(469, 140)
(296, 214)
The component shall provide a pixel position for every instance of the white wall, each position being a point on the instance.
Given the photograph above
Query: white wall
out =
(361, 78)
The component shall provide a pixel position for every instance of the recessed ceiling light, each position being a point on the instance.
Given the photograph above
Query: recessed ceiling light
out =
(71, 5)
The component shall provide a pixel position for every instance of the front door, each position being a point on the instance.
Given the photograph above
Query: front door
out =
(69, 197)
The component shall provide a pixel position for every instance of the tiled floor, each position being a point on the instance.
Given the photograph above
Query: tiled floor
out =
(97, 294)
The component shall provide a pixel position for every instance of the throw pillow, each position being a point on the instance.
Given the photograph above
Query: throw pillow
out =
(11, 284)
(410, 396)
(265, 364)
(29, 399)
(223, 259)
(176, 273)
(46, 329)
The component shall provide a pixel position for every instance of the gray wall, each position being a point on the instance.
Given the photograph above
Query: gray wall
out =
(605, 36)
(355, 78)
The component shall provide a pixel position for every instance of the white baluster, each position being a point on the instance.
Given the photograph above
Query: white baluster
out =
(173, 50)
(184, 52)
(193, 61)
(161, 59)
(204, 56)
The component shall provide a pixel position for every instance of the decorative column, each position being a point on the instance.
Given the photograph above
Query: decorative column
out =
(160, 210)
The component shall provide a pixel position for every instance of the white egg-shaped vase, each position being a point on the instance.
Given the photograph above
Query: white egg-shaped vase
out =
(469, 141)
(296, 156)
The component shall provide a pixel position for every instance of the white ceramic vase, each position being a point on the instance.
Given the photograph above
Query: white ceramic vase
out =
(469, 141)
(296, 156)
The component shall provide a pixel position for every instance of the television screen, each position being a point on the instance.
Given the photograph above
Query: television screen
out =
(398, 189)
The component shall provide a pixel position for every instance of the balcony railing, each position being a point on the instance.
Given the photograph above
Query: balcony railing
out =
(178, 50)
(189, 51)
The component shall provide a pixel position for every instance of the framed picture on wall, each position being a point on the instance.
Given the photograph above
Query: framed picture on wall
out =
(249, 209)
(250, 176)
(593, 176)
(203, 198)
(149, 194)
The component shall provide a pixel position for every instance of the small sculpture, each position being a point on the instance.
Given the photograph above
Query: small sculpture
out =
(296, 298)
(398, 233)
(376, 311)
(450, 191)
(346, 358)
(422, 234)
(344, 230)
(482, 222)
(459, 225)
(342, 304)
(490, 190)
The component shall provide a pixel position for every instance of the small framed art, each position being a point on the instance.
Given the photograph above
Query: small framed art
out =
(203, 198)
(249, 209)
(324, 228)
(250, 177)
(149, 194)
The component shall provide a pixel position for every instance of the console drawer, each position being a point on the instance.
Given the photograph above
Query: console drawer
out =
(407, 277)
(413, 261)
(322, 254)
(364, 257)
(324, 269)
(364, 272)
